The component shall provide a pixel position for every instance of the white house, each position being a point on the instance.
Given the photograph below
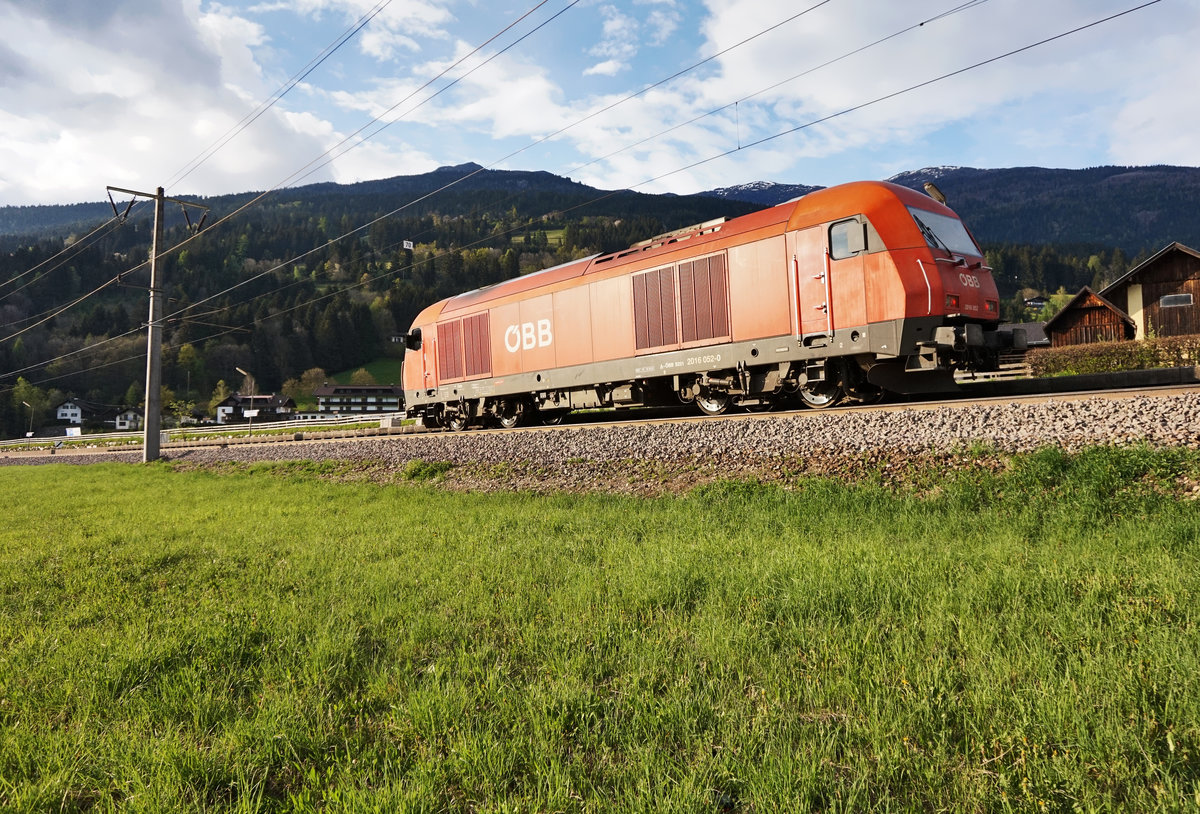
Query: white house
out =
(129, 420)
(71, 411)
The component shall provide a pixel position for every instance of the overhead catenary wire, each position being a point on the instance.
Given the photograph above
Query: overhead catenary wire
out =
(177, 247)
(789, 131)
(644, 90)
(263, 195)
(279, 93)
(734, 104)
(82, 244)
(70, 251)
(811, 123)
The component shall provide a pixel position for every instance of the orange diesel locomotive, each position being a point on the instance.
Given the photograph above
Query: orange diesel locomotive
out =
(846, 293)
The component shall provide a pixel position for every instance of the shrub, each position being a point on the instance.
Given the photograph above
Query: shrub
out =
(1108, 357)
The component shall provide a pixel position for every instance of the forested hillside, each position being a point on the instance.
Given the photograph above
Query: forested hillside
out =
(319, 277)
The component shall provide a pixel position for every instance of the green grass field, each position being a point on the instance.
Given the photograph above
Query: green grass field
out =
(273, 639)
(385, 370)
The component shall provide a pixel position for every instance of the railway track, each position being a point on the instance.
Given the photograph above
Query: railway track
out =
(683, 416)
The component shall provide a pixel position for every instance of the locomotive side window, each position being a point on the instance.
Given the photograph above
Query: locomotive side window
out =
(846, 239)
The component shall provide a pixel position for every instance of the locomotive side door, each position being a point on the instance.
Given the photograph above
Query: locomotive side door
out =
(808, 258)
(847, 247)
(414, 363)
(428, 359)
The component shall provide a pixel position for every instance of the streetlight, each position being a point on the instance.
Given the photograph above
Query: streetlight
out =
(30, 406)
(249, 385)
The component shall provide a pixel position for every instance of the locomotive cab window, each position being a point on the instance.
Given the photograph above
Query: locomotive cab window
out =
(1174, 300)
(846, 239)
(944, 232)
(412, 341)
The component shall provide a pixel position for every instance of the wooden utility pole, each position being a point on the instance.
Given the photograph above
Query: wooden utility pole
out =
(153, 418)
(152, 421)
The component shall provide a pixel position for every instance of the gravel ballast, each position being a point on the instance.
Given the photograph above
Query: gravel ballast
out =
(676, 454)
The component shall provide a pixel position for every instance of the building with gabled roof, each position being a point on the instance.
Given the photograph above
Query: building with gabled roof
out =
(270, 407)
(1088, 317)
(1162, 294)
(77, 411)
(360, 398)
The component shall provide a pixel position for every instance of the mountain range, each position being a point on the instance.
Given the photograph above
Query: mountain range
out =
(1133, 208)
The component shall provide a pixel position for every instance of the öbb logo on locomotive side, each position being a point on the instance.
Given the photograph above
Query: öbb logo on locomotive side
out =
(527, 336)
(969, 280)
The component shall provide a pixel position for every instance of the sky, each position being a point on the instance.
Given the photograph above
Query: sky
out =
(655, 95)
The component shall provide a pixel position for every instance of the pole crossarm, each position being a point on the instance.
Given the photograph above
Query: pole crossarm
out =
(153, 196)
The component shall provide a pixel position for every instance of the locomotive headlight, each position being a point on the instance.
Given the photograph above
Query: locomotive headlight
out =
(991, 306)
(952, 301)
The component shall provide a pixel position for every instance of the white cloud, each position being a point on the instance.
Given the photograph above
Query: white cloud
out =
(108, 104)
(395, 29)
(661, 23)
(609, 67)
(127, 91)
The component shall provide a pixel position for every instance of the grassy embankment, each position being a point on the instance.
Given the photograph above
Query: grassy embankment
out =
(267, 640)
(385, 370)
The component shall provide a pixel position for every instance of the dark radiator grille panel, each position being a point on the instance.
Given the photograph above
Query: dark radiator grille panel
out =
(718, 282)
(654, 309)
(450, 350)
(478, 344)
(704, 298)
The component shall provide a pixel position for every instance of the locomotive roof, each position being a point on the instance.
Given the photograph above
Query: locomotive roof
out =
(832, 203)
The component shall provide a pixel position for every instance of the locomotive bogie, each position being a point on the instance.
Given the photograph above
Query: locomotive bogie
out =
(843, 294)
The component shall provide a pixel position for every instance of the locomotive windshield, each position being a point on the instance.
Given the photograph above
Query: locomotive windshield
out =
(943, 232)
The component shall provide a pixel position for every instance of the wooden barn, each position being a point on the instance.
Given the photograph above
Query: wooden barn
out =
(1161, 295)
(1088, 317)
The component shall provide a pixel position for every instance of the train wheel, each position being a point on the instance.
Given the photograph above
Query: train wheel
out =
(510, 414)
(868, 396)
(761, 406)
(552, 418)
(858, 390)
(457, 422)
(819, 395)
(711, 402)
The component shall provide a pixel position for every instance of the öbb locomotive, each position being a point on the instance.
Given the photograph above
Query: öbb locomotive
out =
(847, 293)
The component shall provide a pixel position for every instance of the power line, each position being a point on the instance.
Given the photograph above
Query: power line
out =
(58, 311)
(955, 10)
(510, 155)
(83, 243)
(263, 195)
(897, 93)
(371, 135)
(71, 250)
(282, 91)
(756, 143)
(327, 152)
(564, 129)
(749, 145)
